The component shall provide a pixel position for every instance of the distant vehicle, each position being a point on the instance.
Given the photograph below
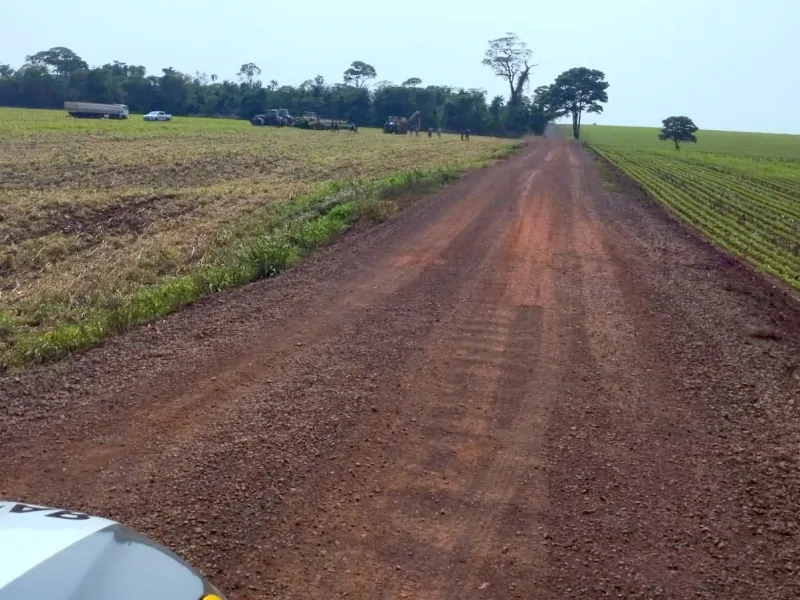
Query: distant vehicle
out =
(392, 125)
(402, 125)
(276, 117)
(157, 115)
(91, 110)
(283, 113)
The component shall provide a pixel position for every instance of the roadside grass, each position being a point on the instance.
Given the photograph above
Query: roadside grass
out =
(86, 260)
(741, 190)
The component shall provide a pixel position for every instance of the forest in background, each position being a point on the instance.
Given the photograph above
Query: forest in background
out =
(51, 77)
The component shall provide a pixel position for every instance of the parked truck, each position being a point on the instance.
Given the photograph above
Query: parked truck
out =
(157, 115)
(91, 110)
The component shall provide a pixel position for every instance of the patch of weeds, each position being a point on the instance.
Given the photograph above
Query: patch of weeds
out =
(8, 332)
(378, 210)
(415, 181)
(7, 325)
(153, 302)
(266, 257)
(310, 234)
(507, 150)
(57, 343)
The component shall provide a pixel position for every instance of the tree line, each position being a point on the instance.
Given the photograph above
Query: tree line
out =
(49, 78)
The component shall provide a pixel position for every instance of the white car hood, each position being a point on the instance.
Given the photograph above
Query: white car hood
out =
(52, 554)
(30, 534)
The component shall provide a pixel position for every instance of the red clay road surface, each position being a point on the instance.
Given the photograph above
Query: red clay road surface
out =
(532, 385)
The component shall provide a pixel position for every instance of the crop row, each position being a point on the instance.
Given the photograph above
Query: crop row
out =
(747, 197)
(781, 188)
(757, 222)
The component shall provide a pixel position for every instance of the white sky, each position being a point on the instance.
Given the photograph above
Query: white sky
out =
(706, 59)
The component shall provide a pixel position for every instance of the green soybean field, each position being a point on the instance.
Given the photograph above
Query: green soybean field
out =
(742, 190)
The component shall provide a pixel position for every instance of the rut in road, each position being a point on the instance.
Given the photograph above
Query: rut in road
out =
(531, 385)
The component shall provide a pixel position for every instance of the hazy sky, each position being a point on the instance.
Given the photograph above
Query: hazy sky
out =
(728, 64)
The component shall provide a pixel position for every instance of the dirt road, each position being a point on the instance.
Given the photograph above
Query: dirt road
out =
(531, 385)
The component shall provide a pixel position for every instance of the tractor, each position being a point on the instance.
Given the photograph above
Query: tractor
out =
(392, 125)
(402, 125)
(276, 117)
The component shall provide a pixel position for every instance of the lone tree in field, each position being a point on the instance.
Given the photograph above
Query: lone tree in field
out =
(359, 73)
(678, 129)
(574, 92)
(508, 57)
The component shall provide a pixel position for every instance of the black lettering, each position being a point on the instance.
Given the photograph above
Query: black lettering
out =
(69, 515)
(23, 509)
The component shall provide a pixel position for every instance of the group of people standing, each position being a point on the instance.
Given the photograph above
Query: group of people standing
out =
(464, 133)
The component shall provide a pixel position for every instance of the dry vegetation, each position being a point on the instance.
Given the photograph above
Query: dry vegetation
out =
(98, 215)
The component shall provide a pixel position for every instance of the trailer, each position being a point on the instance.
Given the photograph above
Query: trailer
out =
(92, 110)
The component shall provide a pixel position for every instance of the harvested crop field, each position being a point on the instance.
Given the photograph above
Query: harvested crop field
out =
(742, 190)
(105, 224)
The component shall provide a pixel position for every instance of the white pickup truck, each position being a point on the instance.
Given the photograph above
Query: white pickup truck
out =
(157, 115)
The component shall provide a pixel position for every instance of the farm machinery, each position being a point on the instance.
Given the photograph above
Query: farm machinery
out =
(402, 125)
(310, 120)
(280, 117)
(275, 117)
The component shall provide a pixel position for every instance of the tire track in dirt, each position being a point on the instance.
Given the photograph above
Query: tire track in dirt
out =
(447, 492)
(616, 435)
